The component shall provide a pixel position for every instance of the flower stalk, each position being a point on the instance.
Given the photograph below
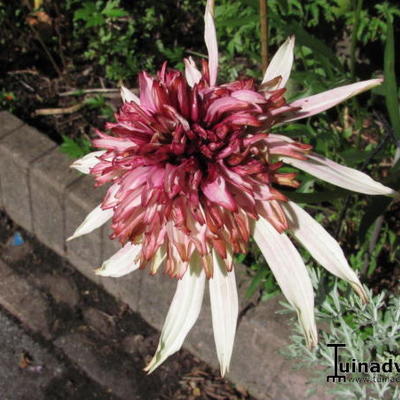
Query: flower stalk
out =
(263, 4)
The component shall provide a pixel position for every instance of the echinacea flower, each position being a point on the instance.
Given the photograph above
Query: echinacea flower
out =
(195, 172)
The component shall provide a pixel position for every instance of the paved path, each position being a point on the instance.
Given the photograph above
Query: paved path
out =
(26, 366)
(64, 338)
(29, 371)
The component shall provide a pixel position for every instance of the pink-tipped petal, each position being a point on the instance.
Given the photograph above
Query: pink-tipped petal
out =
(182, 314)
(224, 309)
(192, 74)
(339, 175)
(249, 96)
(147, 101)
(281, 64)
(216, 191)
(323, 101)
(290, 273)
(121, 263)
(117, 144)
(321, 245)
(210, 38)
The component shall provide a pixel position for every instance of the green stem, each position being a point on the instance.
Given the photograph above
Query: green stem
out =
(357, 12)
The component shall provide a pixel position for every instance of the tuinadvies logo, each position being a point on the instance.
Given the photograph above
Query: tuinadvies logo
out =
(389, 367)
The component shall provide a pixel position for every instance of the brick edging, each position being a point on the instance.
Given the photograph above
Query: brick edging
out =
(41, 193)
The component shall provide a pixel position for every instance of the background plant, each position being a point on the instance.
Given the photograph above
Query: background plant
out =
(370, 332)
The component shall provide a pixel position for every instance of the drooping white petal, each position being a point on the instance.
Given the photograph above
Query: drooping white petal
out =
(323, 101)
(121, 263)
(182, 314)
(281, 64)
(290, 273)
(210, 37)
(96, 218)
(192, 74)
(224, 308)
(339, 175)
(87, 162)
(321, 245)
(128, 96)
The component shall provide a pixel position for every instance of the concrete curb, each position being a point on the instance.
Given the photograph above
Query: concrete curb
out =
(40, 193)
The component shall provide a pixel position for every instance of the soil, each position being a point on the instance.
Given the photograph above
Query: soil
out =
(30, 82)
(40, 61)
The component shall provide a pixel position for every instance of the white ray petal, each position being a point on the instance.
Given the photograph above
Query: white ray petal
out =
(323, 101)
(224, 308)
(121, 263)
(321, 245)
(128, 96)
(192, 74)
(87, 162)
(96, 218)
(182, 314)
(290, 273)
(339, 175)
(210, 37)
(281, 64)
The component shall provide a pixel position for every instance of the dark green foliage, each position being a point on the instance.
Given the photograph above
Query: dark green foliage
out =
(75, 148)
(126, 37)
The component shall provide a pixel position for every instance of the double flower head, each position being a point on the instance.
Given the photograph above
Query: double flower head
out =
(194, 171)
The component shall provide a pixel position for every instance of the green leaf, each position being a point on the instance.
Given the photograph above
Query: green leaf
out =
(90, 14)
(112, 10)
(75, 148)
(392, 100)
(256, 282)
(268, 295)
(343, 6)
(380, 90)
(379, 204)
(84, 13)
(233, 22)
(95, 101)
(354, 156)
(239, 258)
